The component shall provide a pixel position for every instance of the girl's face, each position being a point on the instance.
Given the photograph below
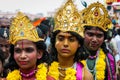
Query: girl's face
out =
(26, 54)
(66, 45)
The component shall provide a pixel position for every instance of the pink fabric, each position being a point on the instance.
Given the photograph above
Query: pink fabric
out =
(79, 71)
(112, 66)
(118, 0)
(50, 78)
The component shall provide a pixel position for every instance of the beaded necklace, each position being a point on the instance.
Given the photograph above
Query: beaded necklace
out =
(29, 74)
(64, 69)
(94, 57)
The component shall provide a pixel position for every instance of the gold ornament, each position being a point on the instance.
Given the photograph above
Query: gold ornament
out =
(68, 19)
(96, 15)
(22, 28)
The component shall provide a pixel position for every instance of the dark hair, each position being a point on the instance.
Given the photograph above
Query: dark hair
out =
(2, 57)
(118, 31)
(40, 45)
(78, 55)
(103, 46)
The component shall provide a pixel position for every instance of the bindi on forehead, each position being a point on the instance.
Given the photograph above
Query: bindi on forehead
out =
(20, 44)
(24, 43)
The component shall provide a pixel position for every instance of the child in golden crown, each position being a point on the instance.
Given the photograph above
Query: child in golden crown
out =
(28, 51)
(66, 42)
(101, 62)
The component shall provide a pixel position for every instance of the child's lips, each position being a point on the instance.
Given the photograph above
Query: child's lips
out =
(23, 62)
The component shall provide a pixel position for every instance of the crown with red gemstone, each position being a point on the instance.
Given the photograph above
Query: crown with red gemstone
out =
(96, 15)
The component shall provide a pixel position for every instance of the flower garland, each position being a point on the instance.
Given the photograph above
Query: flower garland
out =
(40, 75)
(54, 72)
(99, 66)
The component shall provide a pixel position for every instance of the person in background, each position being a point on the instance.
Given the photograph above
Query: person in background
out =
(29, 58)
(66, 42)
(44, 29)
(2, 61)
(4, 45)
(4, 36)
(117, 56)
(100, 62)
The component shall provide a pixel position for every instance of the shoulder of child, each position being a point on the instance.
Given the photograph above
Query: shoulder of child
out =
(87, 75)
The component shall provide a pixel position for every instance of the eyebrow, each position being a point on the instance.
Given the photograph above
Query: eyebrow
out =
(93, 32)
(64, 36)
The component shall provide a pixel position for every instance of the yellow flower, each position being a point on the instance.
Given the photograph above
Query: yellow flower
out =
(100, 65)
(54, 72)
(12, 75)
(40, 75)
(70, 74)
(41, 69)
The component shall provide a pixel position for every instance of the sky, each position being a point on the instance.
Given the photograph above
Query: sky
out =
(37, 6)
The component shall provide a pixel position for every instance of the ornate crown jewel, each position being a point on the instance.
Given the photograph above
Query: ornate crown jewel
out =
(22, 28)
(68, 19)
(96, 15)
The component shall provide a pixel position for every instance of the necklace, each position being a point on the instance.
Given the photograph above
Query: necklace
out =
(95, 56)
(29, 74)
(88, 52)
(62, 75)
(64, 69)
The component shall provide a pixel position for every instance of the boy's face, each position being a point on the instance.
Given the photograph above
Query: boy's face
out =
(93, 38)
(4, 45)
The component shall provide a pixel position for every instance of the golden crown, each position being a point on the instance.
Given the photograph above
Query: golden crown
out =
(68, 19)
(96, 15)
(22, 28)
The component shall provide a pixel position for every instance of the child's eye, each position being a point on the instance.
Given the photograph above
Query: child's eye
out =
(60, 38)
(72, 39)
(17, 50)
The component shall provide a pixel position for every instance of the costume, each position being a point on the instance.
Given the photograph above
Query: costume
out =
(72, 73)
(97, 16)
(21, 28)
(67, 19)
